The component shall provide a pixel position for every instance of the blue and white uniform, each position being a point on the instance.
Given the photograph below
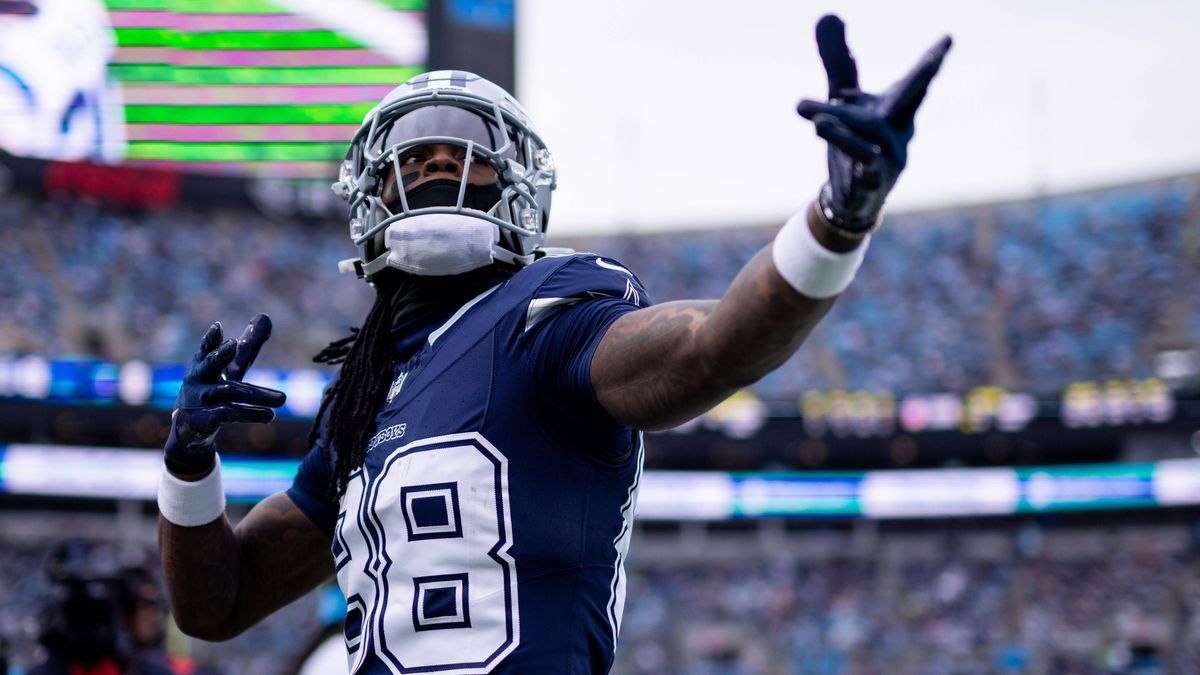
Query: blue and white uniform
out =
(487, 530)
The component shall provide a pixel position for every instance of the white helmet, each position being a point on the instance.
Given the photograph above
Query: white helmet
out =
(453, 108)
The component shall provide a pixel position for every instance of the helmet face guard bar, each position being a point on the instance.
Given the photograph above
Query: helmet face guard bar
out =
(523, 166)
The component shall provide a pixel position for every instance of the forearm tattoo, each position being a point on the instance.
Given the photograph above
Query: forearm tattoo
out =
(660, 366)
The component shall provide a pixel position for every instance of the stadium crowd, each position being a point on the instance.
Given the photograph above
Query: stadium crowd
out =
(1126, 612)
(1119, 604)
(1030, 296)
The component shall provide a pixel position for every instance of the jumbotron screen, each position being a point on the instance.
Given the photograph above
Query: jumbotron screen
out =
(258, 87)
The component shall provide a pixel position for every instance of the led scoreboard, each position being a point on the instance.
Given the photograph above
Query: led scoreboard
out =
(271, 88)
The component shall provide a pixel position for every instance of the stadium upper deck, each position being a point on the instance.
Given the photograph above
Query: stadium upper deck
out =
(1030, 296)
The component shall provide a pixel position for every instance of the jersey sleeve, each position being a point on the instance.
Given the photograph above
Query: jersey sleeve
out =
(566, 319)
(310, 489)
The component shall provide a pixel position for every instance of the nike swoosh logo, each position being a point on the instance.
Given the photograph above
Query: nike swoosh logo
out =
(615, 268)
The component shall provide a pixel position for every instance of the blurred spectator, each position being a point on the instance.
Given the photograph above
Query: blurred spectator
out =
(143, 607)
(1030, 296)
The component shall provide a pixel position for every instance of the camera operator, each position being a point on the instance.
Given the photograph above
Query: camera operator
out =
(144, 616)
(85, 627)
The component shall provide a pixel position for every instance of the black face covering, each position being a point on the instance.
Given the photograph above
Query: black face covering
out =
(419, 303)
(444, 192)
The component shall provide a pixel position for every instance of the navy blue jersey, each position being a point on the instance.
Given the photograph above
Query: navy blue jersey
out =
(487, 530)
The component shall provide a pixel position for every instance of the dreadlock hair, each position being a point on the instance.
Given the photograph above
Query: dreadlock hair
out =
(366, 358)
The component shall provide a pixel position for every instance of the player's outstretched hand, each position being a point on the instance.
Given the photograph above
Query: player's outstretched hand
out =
(868, 134)
(213, 394)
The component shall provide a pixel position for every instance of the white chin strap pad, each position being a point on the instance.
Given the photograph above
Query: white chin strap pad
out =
(440, 244)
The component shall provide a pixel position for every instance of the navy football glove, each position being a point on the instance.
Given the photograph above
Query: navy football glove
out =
(868, 134)
(213, 394)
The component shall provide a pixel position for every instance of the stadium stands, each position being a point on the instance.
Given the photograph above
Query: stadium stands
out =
(1030, 296)
(1015, 598)
(1113, 607)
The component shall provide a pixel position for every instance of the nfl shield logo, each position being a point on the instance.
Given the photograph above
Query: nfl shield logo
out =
(395, 388)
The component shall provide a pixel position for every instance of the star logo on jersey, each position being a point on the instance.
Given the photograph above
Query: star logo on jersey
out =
(394, 390)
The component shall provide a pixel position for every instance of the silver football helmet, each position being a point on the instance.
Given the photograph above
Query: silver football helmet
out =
(453, 108)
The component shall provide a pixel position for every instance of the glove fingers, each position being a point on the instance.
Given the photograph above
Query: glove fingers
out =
(248, 394)
(212, 365)
(234, 414)
(249, 344)
(857, 119)
(212, 338)
(910, 91)
(842, 138)
(241, 393)
(835, 54)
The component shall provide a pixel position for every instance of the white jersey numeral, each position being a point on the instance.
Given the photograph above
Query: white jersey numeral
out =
(422, 557)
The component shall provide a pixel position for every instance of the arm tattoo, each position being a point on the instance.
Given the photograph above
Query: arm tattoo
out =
(222, 581)
(660, 366)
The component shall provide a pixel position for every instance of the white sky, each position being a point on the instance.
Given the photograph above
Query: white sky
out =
(666, 114)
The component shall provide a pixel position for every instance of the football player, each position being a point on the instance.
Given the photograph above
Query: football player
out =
(475, 465)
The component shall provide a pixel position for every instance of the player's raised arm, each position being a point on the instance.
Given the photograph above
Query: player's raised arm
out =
(222, 580)
(662, 365)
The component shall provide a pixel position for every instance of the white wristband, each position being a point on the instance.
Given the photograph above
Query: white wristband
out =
(192, 503)
(808, 266)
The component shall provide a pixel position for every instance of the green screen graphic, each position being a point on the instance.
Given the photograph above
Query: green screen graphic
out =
(257, 87)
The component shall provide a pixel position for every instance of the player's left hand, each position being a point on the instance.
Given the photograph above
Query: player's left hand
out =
(868, 134)
(213, 394)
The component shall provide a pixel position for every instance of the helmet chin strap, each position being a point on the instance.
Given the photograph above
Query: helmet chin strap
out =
(380, 263)
(440, 244)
